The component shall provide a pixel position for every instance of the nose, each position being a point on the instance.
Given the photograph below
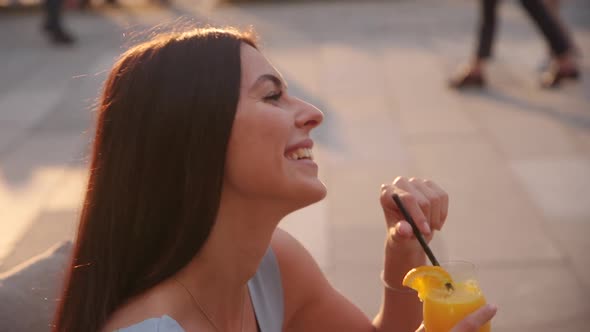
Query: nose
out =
(308, 116)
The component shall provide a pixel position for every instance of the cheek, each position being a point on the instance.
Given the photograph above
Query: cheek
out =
(260, 136)
(255, 158)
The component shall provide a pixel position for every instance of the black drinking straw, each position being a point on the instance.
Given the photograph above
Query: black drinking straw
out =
(418, 234)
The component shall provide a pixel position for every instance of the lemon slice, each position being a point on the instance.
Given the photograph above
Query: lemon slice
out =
(425, 279)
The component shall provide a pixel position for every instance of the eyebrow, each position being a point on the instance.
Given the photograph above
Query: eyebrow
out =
(269, 77)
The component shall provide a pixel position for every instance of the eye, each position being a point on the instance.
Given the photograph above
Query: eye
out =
(275, 96)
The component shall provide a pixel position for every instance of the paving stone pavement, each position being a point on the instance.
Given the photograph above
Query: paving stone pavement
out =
(515, 159)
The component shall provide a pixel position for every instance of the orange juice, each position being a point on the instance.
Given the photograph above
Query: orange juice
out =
(444, 309)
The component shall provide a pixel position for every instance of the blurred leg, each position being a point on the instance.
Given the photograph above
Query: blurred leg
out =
(548, 25)
(52, 18)
(554, 6)
(52, 24)
(487, 28)
(558, 41)
(472, 76)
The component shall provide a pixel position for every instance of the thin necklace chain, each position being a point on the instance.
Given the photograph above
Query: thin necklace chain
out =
(200, 307)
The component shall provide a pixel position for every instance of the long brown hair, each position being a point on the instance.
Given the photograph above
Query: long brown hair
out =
(164, 121)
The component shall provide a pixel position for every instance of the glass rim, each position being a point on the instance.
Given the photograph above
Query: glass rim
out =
(460, 268)
(458, 262)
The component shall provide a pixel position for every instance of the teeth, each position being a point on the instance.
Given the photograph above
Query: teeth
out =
(300, 153)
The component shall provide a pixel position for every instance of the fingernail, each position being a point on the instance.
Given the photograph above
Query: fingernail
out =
(492, 307)
(406, 228)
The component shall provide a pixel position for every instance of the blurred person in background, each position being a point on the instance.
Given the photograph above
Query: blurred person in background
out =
(562, 67)
(200, 151)
(554, 7)
(53, 25)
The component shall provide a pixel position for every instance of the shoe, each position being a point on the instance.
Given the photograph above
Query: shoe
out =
(467, 80)
(59, 36)
(552, 78)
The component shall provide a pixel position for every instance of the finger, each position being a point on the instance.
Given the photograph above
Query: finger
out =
(434, 200)
(386, 199)
(474, 321)
(398, 226)
(415, 203)
(390, 210)
(444, 199)
(401, 231)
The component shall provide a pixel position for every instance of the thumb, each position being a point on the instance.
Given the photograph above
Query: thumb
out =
(401, 231)
(474, 321)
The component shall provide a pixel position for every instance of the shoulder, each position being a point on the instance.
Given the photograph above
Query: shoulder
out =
(302, 279)
(293, 257)
(310, 302)
(161, 324)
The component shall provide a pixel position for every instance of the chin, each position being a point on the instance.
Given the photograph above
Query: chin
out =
(312, 193)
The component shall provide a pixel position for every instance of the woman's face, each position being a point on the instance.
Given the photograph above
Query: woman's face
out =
(269, 153)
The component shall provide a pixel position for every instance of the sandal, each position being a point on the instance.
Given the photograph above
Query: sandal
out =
(467, 80)
(552, 78)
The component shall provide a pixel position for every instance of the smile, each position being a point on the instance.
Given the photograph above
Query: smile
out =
(301, 153)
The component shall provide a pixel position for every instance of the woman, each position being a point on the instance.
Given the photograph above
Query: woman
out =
(199, 153)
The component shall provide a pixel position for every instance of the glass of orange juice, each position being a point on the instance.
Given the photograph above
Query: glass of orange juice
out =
(444, 308)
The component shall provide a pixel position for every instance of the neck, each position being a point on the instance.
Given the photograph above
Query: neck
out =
(217, 277)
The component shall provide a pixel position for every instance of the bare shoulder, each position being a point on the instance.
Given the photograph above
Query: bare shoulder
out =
(295, 262)
(300, 274)
(289, 250)
(311, 303)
